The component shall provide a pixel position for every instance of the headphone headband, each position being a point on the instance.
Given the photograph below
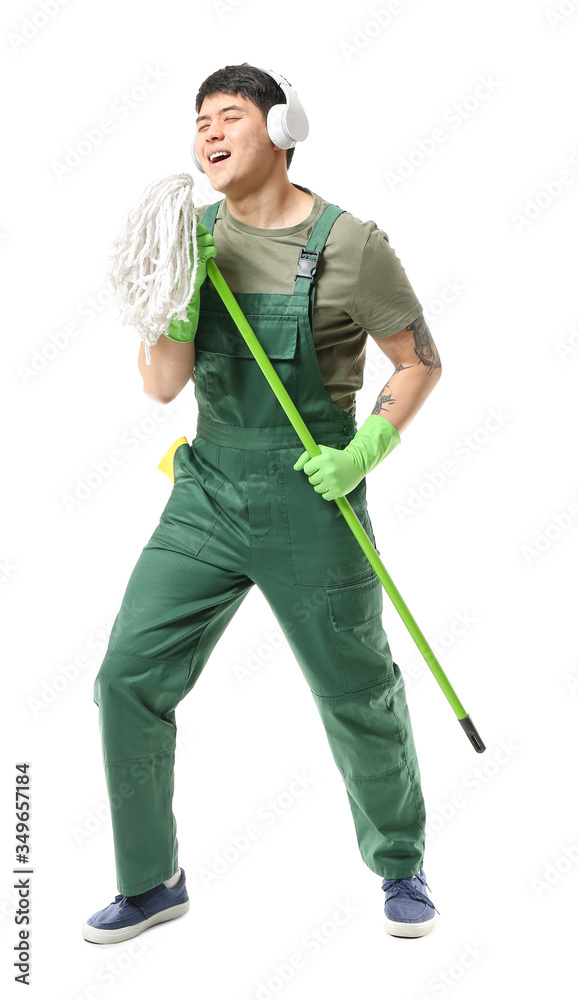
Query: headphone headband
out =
(286, 123)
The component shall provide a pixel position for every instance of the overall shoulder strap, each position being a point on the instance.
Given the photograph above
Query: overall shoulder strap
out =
(323, 227)
(309, 255)
(210, 214)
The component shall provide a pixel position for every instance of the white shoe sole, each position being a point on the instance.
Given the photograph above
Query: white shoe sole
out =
(100, 936)
(399, 928)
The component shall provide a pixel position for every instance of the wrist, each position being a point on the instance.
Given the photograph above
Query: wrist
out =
(374, 441)
(184, 330)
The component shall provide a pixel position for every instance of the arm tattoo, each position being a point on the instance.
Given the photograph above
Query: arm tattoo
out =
(424, 345)
(387, 398)
(383, 401)
(427, 355)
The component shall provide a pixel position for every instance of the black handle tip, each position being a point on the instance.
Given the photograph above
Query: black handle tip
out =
(472, 734)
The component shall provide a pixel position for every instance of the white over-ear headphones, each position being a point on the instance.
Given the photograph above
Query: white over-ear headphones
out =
(286, 123)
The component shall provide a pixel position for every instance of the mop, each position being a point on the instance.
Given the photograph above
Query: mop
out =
(151, 257)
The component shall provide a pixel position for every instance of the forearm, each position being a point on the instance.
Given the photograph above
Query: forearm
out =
(337, 471)
(405, 393)
(417, 370)
(170, 368)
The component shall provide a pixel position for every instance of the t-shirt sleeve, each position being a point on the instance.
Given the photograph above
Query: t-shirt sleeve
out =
(384, 301)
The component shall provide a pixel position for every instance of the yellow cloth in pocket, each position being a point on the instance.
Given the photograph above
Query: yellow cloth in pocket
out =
(166, 463)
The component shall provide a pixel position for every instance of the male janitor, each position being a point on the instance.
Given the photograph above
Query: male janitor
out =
(248, 506)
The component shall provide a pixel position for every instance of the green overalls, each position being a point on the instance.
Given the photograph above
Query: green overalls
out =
(239, 514)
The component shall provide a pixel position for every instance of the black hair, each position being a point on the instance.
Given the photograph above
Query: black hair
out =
(251, 83)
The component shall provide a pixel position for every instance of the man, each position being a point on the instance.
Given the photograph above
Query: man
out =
(248, 506)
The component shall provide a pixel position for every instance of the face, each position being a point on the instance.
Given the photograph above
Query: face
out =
(234, 124)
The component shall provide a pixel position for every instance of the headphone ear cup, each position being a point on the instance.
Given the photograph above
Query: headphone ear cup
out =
(196, 159)
(276, 127)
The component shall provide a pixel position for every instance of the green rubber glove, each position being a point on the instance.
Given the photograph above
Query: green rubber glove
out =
(184, 330)
(335, 472)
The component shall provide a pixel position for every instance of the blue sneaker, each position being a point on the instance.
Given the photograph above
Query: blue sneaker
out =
(127, 916)
(409, 912)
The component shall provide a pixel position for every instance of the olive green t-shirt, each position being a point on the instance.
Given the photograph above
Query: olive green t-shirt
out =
(361, 285)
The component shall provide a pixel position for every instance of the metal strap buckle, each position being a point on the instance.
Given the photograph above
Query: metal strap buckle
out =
(307, 266)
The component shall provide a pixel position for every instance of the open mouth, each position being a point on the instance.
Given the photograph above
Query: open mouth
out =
(218, 157)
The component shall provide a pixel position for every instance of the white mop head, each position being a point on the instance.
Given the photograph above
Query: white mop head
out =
(150, 268)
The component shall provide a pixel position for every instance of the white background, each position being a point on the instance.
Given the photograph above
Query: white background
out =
(491, 537)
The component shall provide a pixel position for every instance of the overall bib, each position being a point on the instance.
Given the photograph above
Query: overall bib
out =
(238, 515)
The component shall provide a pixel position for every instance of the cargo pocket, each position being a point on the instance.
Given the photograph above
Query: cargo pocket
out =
(361, 645)
(361, 720)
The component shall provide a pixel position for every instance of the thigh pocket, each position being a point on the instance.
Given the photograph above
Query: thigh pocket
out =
(361, 645)
(192, 511)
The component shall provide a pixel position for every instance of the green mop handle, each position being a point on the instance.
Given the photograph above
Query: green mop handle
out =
(344, 506)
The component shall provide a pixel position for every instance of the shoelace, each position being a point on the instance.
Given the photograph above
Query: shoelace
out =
(127, 900)
(394, 886)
